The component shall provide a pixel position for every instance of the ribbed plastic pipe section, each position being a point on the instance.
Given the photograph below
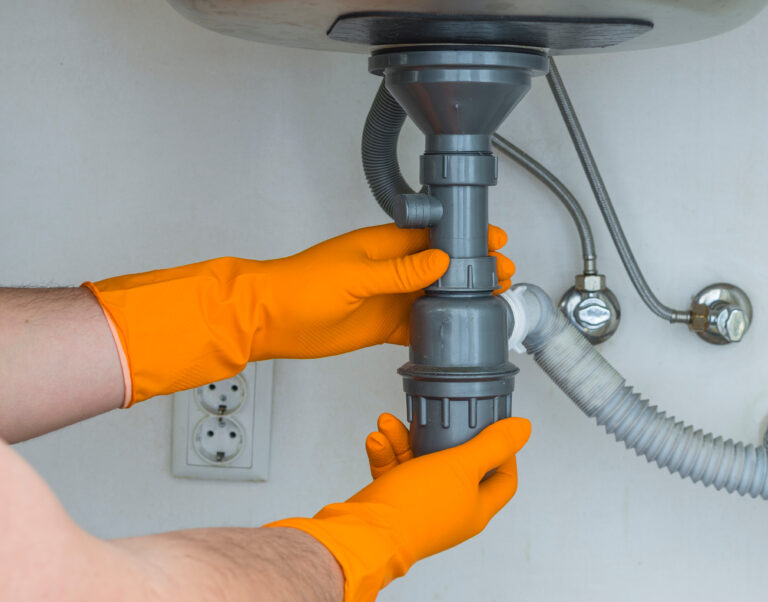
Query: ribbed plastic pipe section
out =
(601, 392)
(680, 449)
(379, 150)
(569, 359)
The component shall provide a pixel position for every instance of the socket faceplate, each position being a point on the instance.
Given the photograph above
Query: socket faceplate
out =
(203, 423)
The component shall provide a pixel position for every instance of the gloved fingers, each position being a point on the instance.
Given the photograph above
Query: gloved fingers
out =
(397, 435)
(400, 274)
(388, 241)
(381, 456)
(498, 489)
(495, 445)
(497, 238)
(505, 267)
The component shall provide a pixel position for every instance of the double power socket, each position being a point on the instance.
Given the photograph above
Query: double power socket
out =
(222, 429)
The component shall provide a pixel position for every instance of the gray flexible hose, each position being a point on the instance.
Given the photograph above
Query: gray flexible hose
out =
(379, 149)
(604, 201)
(561, 192)
(601, 392)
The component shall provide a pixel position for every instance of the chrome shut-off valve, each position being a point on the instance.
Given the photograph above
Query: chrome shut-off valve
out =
(592, 308)
(721, 314)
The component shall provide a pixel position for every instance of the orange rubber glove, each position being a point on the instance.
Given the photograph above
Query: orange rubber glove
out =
(180, 328)
(418, 508)
(388, 447)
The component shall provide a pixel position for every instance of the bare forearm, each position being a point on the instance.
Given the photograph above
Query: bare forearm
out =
(45, 556)
(230, 564)
(58, 361)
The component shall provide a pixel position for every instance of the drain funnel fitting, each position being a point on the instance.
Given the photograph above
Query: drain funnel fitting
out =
(459, 379)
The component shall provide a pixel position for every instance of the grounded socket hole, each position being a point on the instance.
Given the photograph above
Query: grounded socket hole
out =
(211, 387)
(210, 433)
(232, 434)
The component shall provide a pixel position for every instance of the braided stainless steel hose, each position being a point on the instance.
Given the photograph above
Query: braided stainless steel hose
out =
(560, 190)
(605, 204)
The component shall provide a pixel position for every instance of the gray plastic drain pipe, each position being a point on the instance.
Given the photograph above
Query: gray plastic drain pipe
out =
(458, 379)
(601, 392)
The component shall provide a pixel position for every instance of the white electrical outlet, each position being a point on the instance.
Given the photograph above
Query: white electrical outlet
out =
(222, 430)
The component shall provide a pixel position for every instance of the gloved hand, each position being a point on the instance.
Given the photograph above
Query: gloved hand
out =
(418, 508)
(183, 327)
(389, 446)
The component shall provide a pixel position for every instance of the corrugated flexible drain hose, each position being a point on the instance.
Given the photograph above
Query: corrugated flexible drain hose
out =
(379, 150)
(601, 392)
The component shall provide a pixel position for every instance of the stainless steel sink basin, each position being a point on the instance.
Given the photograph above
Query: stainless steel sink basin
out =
(306, 23)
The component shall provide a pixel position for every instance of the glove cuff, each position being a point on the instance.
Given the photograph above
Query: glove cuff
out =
(365, 551)
(119, 345)
(183, 327)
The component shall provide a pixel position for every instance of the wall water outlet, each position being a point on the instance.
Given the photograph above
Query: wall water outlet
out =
(222, 430)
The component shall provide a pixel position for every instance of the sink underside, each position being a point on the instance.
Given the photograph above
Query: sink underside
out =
(565, 26)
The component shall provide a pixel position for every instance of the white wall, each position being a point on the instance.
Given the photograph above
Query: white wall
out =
(131, 139)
